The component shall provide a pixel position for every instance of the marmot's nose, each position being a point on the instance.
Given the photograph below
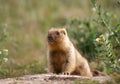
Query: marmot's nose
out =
(50, 38)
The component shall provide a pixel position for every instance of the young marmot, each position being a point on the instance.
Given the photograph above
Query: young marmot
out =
(62, 57)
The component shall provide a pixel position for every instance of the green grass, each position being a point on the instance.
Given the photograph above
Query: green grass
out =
(24, 25)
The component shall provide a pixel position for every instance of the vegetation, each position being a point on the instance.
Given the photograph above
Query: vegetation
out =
(99, 37)
(93, 26)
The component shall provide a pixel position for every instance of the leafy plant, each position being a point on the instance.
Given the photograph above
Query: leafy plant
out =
(83, 33)
(3, 52)
(108, 40)
(98, 37)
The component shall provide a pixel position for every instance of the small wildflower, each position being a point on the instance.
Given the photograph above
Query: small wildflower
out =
(94, 9)
(0, 52)
(114, 65)
(112, 33)
(97, 39)
(5, 52)
(118, 60)
(5, 59)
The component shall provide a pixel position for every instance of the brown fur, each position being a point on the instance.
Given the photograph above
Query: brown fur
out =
(62, 57)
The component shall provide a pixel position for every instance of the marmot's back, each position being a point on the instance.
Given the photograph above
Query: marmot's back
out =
(63, 57)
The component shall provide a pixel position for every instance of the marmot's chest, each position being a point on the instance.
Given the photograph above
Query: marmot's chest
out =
(58, 60)
(58, 56)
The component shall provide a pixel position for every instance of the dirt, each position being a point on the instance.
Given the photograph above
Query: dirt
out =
(55, 79)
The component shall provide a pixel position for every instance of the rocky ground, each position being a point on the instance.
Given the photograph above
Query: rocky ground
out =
(55, 79)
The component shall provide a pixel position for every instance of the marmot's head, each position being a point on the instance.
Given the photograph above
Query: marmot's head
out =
(56, 36)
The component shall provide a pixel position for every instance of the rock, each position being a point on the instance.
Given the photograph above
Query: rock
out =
(55, 79)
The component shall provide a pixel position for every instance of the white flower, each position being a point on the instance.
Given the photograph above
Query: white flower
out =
(97, 39)
(5, 59)
(94, 9)
(118, 60)
(5, 52)
(0, 52)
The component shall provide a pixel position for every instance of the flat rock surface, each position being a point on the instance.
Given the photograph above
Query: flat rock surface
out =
(54, 79)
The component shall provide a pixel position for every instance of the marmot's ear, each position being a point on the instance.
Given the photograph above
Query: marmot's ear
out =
(64, 31)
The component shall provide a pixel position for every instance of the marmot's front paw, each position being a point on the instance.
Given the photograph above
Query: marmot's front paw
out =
(66, 73)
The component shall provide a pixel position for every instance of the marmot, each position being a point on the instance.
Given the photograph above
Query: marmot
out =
(63, 57)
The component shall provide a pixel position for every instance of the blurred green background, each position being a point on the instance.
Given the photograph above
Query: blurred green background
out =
(24, 25)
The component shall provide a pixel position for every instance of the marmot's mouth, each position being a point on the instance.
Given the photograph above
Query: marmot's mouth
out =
(50, 38)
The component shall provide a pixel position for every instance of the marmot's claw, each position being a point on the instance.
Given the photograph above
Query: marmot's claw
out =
(66, 73)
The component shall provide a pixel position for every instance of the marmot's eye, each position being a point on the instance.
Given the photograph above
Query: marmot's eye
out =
(57, 33)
